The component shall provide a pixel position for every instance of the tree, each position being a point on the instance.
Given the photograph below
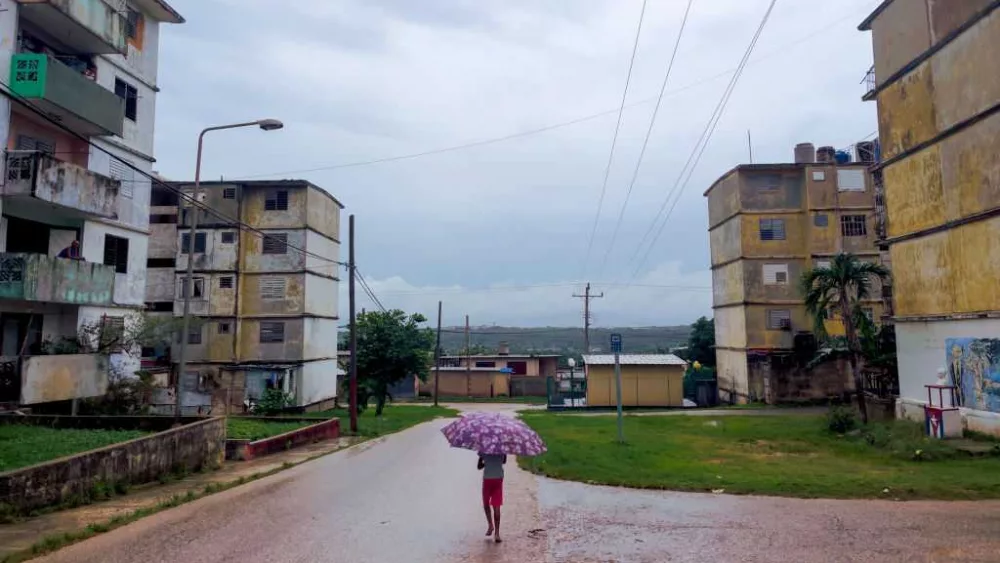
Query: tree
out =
(701, 343)
(841, 288)
(391, 346)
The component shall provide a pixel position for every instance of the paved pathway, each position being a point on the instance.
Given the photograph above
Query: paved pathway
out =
(410, 498)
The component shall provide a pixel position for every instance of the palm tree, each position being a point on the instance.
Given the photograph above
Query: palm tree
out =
(842, 287)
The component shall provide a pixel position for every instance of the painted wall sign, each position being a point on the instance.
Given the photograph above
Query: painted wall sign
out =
(974, 367)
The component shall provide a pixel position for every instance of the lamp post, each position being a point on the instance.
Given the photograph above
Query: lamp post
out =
(188, 283)
(572, 398)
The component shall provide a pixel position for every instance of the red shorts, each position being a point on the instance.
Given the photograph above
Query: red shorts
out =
(492, 492)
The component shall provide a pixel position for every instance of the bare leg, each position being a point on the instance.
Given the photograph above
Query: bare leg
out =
(496, 522)
(489, 519)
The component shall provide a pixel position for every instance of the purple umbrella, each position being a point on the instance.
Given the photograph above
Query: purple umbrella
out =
(493, 433)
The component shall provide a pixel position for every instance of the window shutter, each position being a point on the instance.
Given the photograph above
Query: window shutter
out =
(276, 243)
(272, 288)
(775, 274)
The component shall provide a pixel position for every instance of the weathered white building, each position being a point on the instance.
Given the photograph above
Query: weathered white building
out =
(83, 75)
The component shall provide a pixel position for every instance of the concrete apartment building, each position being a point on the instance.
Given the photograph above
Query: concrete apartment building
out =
(936, 84)
(87, 72)
(769, 223)
(267, 312)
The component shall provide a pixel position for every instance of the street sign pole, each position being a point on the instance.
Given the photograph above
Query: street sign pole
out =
(616, 347)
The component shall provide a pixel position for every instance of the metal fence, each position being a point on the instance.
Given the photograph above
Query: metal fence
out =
(566, 393)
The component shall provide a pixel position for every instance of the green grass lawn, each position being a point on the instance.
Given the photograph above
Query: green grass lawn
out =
(394, 418)
(515, 400)
(22, 445)
(790, 455)
(254, 429)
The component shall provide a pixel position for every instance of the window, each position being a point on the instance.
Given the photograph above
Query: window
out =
(275, 243)
(779, 319)
(228, 237)
(276, 200)
(228, 193)
(199, 243)
(134, 27)
(199, 288)
(224, 328)
(851, 180)
(161, 263)
(272, 288)
(820, 220)
(775, 274)
(486, 364)
(27, 143)
(819, 176)
(272, 331)
(112, 333)
(121, 171)
(116, 253)
(194, 335)
(853, 226)
(160, 306)
(130, 94)
(160, 218)
(772, 229)
(226, 282)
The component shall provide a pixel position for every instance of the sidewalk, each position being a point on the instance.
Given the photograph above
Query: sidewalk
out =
(23, 535)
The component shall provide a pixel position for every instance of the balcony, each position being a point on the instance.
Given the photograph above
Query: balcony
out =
(870, 85)
(85, 27)
(45, 279)
(39, 176)
(66, 96)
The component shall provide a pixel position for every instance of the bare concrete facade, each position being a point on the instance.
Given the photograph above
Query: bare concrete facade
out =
(768, 224)
(267, 303)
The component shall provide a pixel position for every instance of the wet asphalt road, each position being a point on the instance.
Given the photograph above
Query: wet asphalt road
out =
(410, 498)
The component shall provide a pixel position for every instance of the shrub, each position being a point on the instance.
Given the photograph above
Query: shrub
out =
(272, 402)
(841, 419)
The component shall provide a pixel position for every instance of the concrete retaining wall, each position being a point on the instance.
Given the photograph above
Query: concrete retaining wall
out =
(245, 450)
(189, 447)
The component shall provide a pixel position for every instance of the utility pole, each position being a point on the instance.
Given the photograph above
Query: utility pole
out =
(468, 360)
(437, 358)
(351, 269)
(587, 296)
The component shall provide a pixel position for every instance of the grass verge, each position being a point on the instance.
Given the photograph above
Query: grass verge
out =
(22, 445)
(394, 419)
(255, 429)
(794, 456)
(513, 400)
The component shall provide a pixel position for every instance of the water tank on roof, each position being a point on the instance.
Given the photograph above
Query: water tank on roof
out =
(826, 154)
(805, 153)
(843, 157)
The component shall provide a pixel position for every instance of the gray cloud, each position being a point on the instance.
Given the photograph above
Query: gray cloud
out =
(355, 81)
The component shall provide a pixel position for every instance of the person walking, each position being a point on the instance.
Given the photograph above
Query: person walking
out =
(492, 467)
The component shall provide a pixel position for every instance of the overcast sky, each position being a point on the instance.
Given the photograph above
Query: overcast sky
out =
(499, 231)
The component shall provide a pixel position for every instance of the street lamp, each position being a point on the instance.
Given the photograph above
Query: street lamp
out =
(572, 364)
(188, 284)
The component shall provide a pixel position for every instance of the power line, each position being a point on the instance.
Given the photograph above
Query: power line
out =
(614, 138)
(10, 94)
(645, 141)
(698, 150)
(446, 290)
(493, 140)
(368, 290)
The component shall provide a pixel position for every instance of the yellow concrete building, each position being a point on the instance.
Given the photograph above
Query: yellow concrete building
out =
(648, 380)
(937, 87)
(768, 224)
(267, 305)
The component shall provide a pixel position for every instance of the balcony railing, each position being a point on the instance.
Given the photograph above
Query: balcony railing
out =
(45, 379)
(86, 27)
(41, 176)
(45, 279)
(869, 84)
(67, 95)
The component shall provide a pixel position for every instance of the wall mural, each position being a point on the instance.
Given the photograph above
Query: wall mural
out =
(974, 366)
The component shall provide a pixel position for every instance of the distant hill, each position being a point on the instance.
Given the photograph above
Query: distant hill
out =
(564, 340)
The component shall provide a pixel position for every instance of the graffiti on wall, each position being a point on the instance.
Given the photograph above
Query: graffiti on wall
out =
(974, 366)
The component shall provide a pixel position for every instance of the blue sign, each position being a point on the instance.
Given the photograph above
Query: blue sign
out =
(616, 343)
